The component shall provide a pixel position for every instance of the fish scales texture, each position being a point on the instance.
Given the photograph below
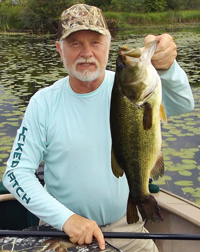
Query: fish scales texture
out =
(135, 115)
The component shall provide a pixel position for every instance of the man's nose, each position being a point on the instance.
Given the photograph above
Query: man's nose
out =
(86, 52)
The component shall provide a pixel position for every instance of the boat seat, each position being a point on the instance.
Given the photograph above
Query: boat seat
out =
(13, 215)
(3, 190)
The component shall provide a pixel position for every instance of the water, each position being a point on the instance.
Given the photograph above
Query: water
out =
(29, 63)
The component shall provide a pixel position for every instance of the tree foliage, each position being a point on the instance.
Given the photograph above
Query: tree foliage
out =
(154, 5)
(178, 5)
(145, 5)
(10, 15)
(104, 5)
(42, 15)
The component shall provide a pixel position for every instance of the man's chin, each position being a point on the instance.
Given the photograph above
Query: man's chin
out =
(87, 76)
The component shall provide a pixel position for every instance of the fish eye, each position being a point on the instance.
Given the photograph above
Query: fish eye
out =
(122, 66)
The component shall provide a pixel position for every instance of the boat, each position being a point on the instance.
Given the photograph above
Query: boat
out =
(180, 216)
(13, 215)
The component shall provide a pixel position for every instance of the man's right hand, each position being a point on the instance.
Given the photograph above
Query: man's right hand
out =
(82, 231)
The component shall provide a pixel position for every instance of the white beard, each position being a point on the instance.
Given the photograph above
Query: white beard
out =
(86, 75)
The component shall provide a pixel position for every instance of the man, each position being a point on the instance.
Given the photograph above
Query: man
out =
(67, 126)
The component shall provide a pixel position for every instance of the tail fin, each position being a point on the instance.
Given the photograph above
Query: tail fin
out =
(148, 209)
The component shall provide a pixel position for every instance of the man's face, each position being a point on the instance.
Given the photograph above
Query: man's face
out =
(85, 54)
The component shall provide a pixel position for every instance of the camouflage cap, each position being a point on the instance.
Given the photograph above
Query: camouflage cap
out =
(82, 17)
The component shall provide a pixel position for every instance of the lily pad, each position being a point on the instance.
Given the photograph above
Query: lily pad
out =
(185, 173)
(184, 183)
(170, 139)
(3, 155)
(189, 161)
(162, 180)
(188, 190)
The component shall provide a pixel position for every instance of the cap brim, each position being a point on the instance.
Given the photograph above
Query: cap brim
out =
(85, 28)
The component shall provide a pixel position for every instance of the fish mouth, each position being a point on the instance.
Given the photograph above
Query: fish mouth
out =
(125, 51)
(137, 53)
(131, 57)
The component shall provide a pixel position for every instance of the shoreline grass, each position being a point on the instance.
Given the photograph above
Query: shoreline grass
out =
(12, 21)
(128, 20)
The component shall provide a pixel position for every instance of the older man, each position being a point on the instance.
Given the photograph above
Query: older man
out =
(67, 126)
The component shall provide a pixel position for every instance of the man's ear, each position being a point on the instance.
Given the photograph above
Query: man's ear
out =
(59, 49)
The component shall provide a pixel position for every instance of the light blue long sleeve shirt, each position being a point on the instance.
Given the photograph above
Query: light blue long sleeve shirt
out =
(71, 133)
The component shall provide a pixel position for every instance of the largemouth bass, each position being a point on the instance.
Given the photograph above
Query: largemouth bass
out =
(136, 111)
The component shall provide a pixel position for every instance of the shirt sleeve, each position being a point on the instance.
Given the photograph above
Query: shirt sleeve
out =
(19, 178)
(176, 91)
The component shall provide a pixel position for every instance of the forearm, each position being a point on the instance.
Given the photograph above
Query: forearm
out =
(177, 93)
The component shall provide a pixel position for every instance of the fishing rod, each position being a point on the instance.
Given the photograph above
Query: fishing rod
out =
(117, 235)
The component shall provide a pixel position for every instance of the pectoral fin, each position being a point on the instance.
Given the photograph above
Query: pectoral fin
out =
(117, 170)
(158, 169)
(147, 116)
(163, 114)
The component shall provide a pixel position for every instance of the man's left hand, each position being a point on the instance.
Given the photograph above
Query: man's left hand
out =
(165, 53)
